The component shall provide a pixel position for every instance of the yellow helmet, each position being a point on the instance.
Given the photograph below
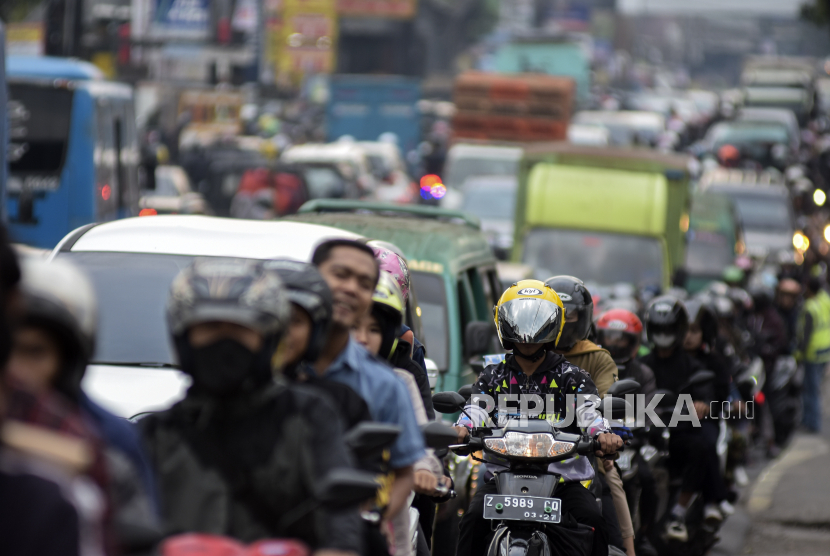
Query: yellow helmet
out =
(390, 307)
(529, 312)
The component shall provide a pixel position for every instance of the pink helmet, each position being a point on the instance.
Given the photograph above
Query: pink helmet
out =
(394, 264)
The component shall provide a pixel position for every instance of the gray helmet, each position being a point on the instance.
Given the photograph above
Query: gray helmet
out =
(240, 291)
(59, 298)
(307, 289)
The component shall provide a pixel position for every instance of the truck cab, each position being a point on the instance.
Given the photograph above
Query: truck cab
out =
(607, 215)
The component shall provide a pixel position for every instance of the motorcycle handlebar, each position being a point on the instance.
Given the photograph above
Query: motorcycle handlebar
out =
(585, 446)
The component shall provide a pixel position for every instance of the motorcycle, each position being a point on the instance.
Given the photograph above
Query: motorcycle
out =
(525, 511)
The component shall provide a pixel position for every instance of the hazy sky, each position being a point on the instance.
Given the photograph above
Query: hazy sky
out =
(782, 7)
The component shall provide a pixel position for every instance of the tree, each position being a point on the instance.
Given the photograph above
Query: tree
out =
(816, 12)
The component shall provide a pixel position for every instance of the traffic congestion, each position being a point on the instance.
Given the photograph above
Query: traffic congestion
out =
(568, 297)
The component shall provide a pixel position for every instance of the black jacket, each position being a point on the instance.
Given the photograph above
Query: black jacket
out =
(402, 360)
(240, 467)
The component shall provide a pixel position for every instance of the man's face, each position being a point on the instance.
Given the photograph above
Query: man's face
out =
(35, 360)
(297, 336)
(207, 333)
(351, 275)
(786, 300)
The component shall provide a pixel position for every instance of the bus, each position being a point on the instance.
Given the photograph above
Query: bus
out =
(73, 149)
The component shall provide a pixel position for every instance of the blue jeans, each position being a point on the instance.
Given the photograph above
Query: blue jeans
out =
(811, 395)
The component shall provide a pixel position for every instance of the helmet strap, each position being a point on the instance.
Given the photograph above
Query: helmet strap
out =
(533, 357)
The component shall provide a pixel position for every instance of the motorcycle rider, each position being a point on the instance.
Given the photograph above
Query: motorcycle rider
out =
(378, 332)
(242, 452)
(30, 504)
(787, 298)
(813, 349)
(391, 260)
(700, 341)
(619, 331)
(691, 448)
(310, 299)
(582, 352)
(408, 353)
(529, 319)
(53, 344)
(351, 272)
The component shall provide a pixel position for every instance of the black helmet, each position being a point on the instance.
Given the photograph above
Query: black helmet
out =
(666, 322)
(59, 298)
(308, 290)
(577, 299)
(238, 291)
(703, 315)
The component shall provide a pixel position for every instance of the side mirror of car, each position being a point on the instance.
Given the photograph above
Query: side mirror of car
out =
(346, 487)
(623, 387)
(438, 435)
(466, 391)
(477, 338)
(448, 402)
(368, 439)
(432, 372)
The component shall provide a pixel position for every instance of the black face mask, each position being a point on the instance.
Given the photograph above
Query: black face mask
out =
(222, 367)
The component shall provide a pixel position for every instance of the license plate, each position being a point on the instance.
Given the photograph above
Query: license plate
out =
(524, 508)
(624, 461)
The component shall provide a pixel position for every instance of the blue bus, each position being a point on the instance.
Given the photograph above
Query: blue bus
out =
(73, 149)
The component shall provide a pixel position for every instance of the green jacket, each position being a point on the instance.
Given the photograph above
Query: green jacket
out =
(814, 330)
(597, 361)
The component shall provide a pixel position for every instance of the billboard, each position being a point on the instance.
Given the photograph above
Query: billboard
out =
(180, 19)
(403, 9)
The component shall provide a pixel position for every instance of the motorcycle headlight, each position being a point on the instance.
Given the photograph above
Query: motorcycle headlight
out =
(523, 445)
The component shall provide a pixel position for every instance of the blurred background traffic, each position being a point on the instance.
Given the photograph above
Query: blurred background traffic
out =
(526, 114)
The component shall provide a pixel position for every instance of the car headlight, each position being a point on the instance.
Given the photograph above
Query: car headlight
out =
(523, 445)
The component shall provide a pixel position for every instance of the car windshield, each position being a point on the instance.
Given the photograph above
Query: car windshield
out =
(432, 299)
(132, 291)
(603, 258)
(763, 212)
(323, 182)
(490, 202)
(748, 133)
(708, 253)
(460, 170)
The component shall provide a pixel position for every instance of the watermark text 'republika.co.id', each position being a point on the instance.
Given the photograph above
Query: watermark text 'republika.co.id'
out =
(660, 410)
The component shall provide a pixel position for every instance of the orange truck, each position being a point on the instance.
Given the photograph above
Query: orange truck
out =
(512, 107)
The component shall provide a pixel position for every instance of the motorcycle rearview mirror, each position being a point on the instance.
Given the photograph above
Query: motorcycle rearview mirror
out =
(668, 400)
(439, 435)
(466, 391)
(623, 387)
(346, 487)
(448, 402)
(477, 338)
(616, 409)
(701, 377)
(368, 438)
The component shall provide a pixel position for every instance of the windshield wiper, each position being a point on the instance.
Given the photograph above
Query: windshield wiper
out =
(135, 364)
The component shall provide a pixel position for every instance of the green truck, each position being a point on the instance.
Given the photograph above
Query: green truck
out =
(453, 272)
(605, 215)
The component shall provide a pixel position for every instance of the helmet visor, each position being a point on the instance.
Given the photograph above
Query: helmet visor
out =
(530, 321)
(619, 343)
